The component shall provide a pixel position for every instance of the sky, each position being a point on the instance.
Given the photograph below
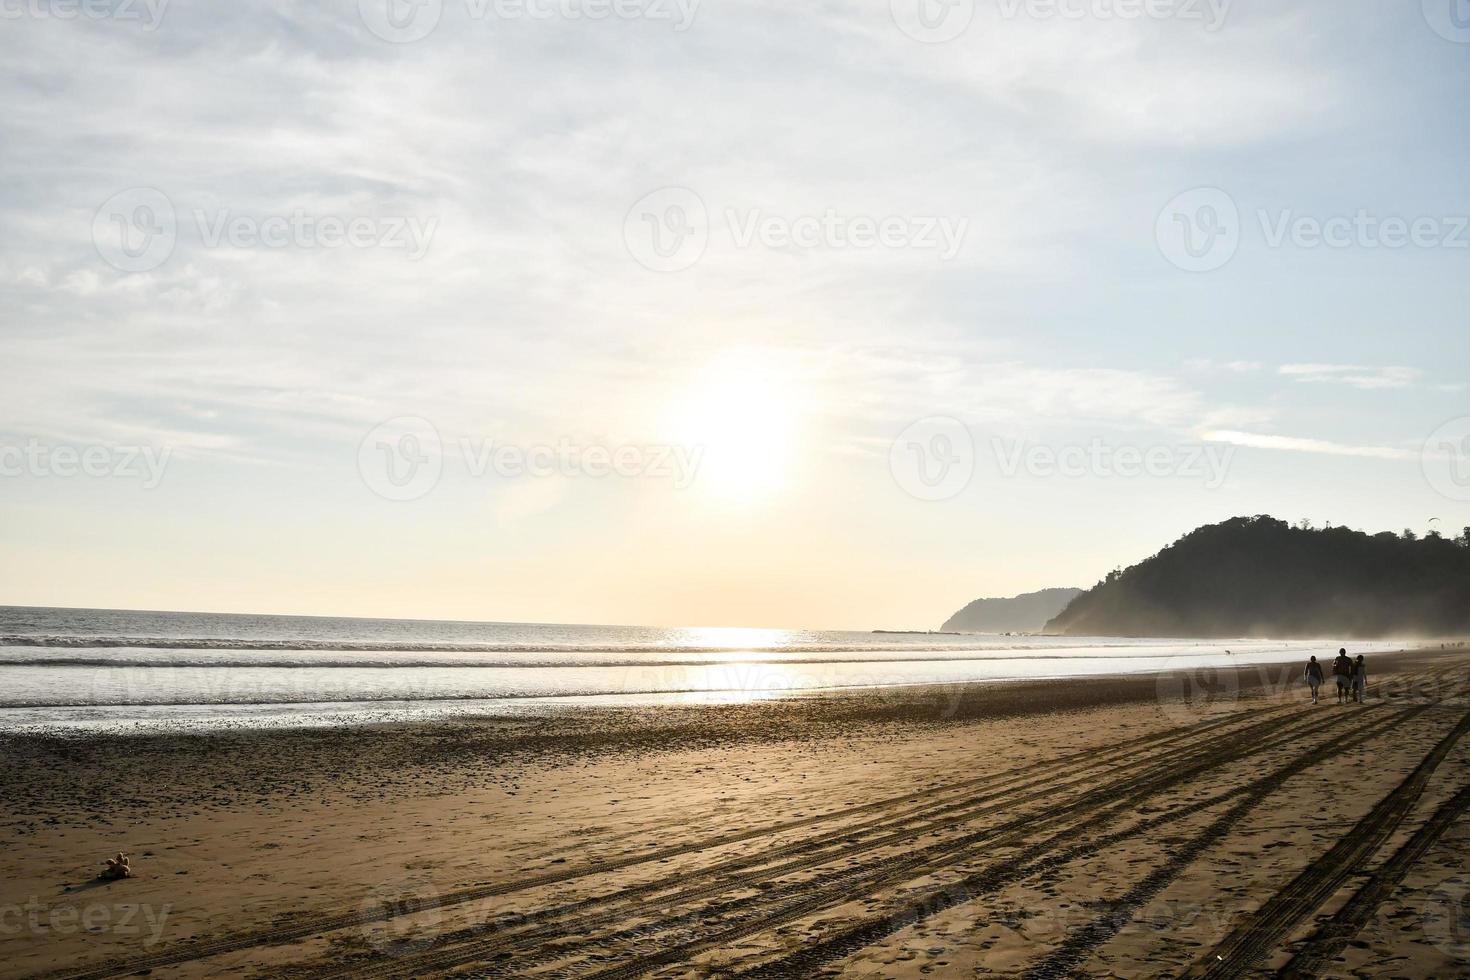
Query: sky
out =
(733, 312)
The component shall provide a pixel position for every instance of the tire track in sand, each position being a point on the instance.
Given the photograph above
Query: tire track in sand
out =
(1044, 856)
(829, 851)
(1117, 913)
(1337, 932)
(1254, 939)
(1097, 807)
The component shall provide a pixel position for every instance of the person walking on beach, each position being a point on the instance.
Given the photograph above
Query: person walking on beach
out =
(1342, 672)
(1313, 676)
(1360, 680)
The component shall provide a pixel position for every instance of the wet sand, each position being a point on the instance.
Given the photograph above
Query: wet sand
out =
(1127, 826)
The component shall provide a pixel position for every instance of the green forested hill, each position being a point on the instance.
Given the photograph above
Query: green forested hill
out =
(1258, 576)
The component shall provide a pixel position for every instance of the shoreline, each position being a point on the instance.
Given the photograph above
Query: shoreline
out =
(1280, 674)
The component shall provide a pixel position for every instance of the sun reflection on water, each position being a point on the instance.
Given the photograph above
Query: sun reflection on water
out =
(741, 642)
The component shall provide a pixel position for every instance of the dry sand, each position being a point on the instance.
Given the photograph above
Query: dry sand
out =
(1136, 826)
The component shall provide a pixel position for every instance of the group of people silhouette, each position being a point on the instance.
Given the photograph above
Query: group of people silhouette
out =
(1351, 676)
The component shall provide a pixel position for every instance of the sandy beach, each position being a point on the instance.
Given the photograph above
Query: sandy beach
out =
(1209, 825)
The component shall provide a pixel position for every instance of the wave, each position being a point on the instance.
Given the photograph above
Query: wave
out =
(392, 698)
(74, 641)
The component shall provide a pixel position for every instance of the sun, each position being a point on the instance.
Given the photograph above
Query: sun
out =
(740, 416)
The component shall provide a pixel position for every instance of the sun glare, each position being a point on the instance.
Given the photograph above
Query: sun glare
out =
(741, 417)
(743, 638)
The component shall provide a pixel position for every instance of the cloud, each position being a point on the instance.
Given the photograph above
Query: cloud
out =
(527, 311)
(877, 389)
(1300, 445)
(1204, 365)
(1353, 375)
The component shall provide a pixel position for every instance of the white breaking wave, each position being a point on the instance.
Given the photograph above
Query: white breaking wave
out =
(653, 658)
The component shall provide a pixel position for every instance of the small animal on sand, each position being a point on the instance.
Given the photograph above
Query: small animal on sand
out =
(117, 867)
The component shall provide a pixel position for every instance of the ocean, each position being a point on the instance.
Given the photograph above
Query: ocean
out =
(124, 670)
